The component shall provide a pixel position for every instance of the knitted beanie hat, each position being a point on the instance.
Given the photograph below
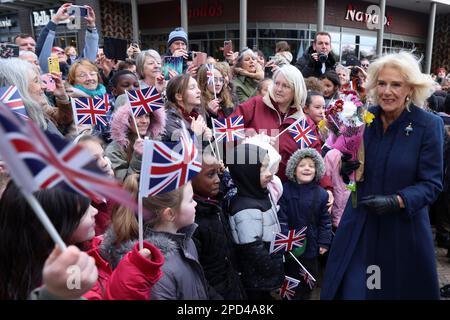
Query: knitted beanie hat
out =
(177, 34)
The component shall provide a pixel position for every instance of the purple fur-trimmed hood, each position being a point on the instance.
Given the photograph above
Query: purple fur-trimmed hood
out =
(121, 122)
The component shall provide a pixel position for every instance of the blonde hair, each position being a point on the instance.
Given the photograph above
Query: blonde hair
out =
(123, 219)
(207, 96)
(409, 68)
(157, 204)
(295, 79)
(71, 78)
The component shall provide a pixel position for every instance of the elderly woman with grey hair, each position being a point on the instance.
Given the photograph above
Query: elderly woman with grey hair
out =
(248, 72)
(384, 247)
(148, 69)
(26, 77)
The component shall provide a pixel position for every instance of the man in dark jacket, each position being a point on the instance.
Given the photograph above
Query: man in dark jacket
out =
(318, 59)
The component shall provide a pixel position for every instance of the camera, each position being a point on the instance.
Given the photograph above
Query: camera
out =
(190, 55)
(323, 57)
(354, 72)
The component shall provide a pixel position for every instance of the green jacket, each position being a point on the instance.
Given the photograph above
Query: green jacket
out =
(245, 87)
(119, 162)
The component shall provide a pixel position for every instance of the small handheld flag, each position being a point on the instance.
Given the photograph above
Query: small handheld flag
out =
(303, 134)
(282, 242)
(10, 96)
(230, 129)
(91, 110)
(287, 289)
(167, 166)
(145, 101)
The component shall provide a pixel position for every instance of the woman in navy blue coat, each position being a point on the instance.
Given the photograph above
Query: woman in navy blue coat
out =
(384, 249)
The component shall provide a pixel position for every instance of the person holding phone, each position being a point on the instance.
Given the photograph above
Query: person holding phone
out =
(177, 46)
(47, 36)
(318, 58)
(133, 50)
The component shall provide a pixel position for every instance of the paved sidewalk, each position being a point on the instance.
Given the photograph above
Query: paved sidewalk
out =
(443, 269)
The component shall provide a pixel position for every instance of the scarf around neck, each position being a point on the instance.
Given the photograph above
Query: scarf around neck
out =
(100, 91)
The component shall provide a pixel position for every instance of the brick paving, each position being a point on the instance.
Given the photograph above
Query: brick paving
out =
(443, 269)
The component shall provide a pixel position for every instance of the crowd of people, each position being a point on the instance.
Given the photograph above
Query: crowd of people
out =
(366, 199)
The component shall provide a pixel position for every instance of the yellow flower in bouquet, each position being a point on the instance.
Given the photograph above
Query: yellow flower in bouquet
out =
(368, 117)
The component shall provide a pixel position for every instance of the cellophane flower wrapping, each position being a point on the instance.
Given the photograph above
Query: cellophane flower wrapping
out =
(346, 120)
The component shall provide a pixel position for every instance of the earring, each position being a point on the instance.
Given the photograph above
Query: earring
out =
(408, 98)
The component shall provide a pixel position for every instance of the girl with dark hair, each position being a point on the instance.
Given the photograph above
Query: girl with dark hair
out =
(21, 232)
(331, 85)
(73, 217)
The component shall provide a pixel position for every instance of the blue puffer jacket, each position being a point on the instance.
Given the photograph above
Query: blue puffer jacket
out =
(306, 205)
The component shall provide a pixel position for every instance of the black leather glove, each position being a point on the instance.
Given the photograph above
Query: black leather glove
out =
(348, 166)
(381, 204)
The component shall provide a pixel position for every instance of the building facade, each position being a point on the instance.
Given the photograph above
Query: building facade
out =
(210, 22)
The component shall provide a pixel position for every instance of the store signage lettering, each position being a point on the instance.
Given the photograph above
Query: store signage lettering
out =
(207, 10)
(41, 18)
(366, 17)
(5, 23)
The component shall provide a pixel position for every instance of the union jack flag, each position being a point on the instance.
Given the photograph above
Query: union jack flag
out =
(287, 289)
(284, 243)
(167, 166)
(307, 278)
(145, 101)
(38, 160)
(210, 74)
(10, 96)
(303, 134)
(230, 129)
(92, 110)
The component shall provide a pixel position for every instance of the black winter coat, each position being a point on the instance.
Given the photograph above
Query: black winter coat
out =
(215, 248)
(312, 68)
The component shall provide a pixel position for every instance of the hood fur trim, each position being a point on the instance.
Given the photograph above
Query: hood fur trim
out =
(114, 253)
(298, 156)
(121, 123)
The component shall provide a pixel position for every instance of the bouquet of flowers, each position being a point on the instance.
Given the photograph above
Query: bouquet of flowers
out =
(346, 120)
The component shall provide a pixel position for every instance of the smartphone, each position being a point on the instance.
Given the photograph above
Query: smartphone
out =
(174, 63)
(227, 47)
(49, 82)
(53, 65)
(73, 10)
(8, 50)
(199, 58)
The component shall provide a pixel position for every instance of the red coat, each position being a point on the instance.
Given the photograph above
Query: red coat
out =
(263, 115)
(131, 280)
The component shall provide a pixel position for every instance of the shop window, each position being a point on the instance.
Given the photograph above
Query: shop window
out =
(232, 34)
(216, 34)
(198, 35)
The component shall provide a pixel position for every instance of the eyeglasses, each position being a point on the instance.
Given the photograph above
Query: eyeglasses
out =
(219, 80)
(364, 65)
(84, 74)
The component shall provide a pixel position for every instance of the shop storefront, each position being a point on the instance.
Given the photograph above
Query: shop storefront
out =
(212, 22)
(64, 36)
(9, 27)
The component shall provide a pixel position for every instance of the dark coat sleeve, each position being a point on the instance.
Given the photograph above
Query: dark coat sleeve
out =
(429, 173)
(282, 216)
(324, 227)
